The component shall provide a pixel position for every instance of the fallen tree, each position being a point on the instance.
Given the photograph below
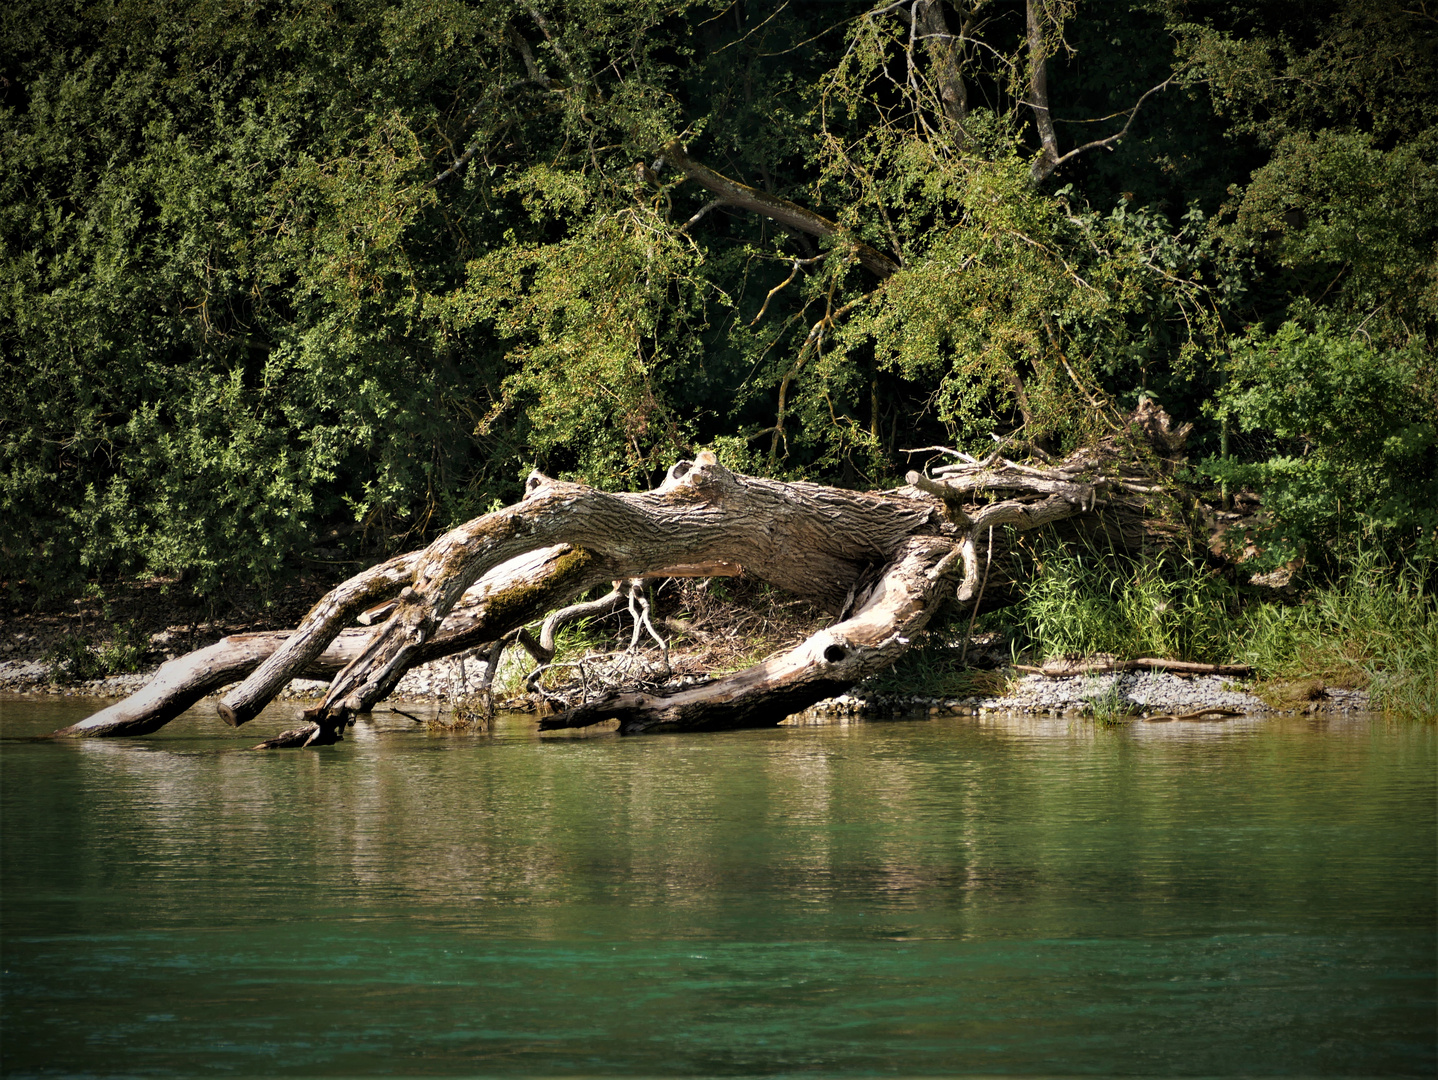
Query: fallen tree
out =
(880, 562)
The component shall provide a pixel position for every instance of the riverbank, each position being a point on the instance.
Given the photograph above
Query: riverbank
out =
(718, 630)
(1102, 696)
(1141, 695)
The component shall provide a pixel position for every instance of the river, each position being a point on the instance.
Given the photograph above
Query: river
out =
(997, 895)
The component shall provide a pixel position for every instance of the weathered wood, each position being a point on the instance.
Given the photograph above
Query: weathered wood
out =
(328, 616)
(488, 612)
(306, 735)
(1063, 669)
(828, 663)
(380, 612)
(733, 193)
(1219, 711)
(959, 484)
(185, 680)
(576, 568)
(888, 558)
(807, 539)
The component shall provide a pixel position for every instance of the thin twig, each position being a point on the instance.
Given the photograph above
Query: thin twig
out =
(713, 204)
(772, 292)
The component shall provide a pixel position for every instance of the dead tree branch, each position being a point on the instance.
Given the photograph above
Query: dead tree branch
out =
(732, 193)
(1040, 49)
(881, 562)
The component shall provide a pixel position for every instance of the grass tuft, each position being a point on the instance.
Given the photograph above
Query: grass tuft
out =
(1374, 629)
(932, 669)
(1091, 602)
(1107, 704)
(1290, 694)
(472, 712)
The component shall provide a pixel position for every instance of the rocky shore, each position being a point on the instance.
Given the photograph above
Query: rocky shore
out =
(1129, 694)
(1141, 695)
(714, 634)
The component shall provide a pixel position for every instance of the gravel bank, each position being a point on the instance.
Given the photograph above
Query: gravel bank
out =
(1138, 693)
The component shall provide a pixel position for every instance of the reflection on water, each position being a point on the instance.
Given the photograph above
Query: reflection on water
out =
(999, 894)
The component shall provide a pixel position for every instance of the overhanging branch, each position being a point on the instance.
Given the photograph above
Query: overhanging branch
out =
(732, 193)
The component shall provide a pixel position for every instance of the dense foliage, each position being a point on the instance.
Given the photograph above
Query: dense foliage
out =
(287, 281)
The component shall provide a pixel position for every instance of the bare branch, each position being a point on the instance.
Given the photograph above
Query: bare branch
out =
(549, 36)
(1039, 90)
(897, 7)
(944, 54)
(713, 204)
(933, 450)
(1049, 158)
(771, 206)
(781, 287)
(1099, 143)
(536, 73)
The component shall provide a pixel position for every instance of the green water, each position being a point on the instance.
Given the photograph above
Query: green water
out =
(927, 897)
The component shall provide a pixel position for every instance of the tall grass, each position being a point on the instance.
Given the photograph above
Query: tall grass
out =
(1375, 628)
(1102, 602)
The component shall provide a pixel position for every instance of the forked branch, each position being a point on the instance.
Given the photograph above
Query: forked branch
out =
(1040, 48)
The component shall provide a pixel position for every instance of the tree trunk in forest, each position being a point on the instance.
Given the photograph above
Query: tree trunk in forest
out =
(881, 563)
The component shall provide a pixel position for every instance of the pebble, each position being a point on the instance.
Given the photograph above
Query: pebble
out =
(1138, 692)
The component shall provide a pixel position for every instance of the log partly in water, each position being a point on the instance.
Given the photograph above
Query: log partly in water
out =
(880, 562)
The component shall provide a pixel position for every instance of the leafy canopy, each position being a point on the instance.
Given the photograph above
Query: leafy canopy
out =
(285, 283)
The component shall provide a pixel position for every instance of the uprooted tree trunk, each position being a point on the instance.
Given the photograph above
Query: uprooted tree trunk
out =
(880, 563)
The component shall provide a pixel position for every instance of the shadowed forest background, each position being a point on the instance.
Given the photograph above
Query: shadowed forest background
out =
(292, 285)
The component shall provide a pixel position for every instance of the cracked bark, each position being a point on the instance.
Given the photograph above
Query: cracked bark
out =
(880, 562)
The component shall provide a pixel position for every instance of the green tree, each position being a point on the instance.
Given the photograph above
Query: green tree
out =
(279, 278)
(1334, 379)
(1355, 461)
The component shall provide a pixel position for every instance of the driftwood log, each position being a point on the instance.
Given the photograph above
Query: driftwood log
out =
(880, 562)
(1067, 669)
(484, 614)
